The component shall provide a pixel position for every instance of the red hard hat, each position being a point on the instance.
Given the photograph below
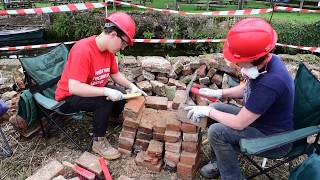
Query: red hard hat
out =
(248, 40)
(125, 23)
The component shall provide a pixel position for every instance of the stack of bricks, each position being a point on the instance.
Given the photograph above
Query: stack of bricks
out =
(152, 158)
(144, 134)
(189, 158)
(158, 137)
(132, 113)
(173, 140)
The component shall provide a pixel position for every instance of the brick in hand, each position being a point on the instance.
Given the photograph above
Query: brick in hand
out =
(134, 107)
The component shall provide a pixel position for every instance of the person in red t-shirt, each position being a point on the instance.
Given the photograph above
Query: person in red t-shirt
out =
(83, 82)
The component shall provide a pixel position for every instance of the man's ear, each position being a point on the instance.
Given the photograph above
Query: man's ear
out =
(113, 33)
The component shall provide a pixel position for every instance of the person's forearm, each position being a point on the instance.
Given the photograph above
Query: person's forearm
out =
(84, 90)
(234, 92)
(120, 79)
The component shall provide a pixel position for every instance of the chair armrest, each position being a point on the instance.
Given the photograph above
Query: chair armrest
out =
(258, 145)
(46, 102)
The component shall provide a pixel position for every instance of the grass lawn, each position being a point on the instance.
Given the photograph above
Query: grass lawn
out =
(284, 16)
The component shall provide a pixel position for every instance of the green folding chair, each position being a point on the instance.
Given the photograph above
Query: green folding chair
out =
(306, 121)
(42, 74)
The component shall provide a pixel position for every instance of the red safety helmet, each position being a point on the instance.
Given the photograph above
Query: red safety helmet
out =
(248, 40)
(125, 23)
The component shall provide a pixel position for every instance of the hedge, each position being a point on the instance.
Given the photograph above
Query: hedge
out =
(74, 26)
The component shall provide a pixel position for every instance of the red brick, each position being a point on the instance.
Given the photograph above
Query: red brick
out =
(90, 162)
(169, 106)
(182, 116)
(155, 149)
(127, 134)
(124, 151)
(192, 137)
(156, 102)
(125, 146)
(49, 171)
(185, 171)
(142, 135)
(130, 129)
(173, 124)
(125, 143)
(202, 70)
(211, 72)
(171, 156)
(139, 159)
(180, 97)
(187, 70)
(190, 146)
(164, 80)
(143, 143)
(188, 158)
(160, 125)
(173, 147)
(201, 101)
(151, 160)
(155, 168)
(147, 120)
(171, 164)
(158, 136)
(188, 128)
(134, 107)
(132, 123)
(172, 136)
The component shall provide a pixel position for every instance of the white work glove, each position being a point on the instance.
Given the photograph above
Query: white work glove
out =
(112, 94)
(134, 89)
(211, 92)
(196, 112)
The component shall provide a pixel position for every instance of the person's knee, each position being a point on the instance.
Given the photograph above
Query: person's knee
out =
(215, 131)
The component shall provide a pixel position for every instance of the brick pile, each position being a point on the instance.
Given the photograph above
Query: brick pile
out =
(132, 113)
(159, 139)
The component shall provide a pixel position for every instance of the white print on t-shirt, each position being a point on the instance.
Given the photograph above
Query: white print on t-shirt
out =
(247, 91)
(100, 76)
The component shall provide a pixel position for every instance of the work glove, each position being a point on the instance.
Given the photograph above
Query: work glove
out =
(112, 94)
(134, 89)
(211, 92)
(196, 112)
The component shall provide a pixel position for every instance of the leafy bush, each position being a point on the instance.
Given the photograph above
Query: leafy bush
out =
(74, 26)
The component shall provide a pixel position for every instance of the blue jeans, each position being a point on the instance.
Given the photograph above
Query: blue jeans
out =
(224, 142)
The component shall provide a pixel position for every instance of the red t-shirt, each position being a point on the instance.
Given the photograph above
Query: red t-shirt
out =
(88, 65)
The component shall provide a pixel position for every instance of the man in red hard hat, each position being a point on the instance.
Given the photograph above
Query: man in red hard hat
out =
(83, 82)
(268, 96)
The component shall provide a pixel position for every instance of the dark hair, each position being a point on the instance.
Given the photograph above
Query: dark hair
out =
(109, 27)
(259, 61)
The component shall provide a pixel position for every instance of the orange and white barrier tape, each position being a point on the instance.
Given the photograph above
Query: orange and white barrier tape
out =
(290, 9)
(175, 41)
(88, 6)
(14, 48)
(54, 9)
(311, 49)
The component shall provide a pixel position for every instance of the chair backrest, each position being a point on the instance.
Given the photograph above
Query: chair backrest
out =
(46, 67)
(307, 99)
